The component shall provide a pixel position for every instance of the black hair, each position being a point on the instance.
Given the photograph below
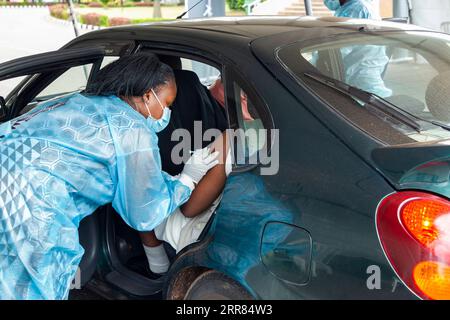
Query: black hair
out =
(130, 76)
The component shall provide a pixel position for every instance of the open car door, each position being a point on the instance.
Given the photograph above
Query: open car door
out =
(34, 78)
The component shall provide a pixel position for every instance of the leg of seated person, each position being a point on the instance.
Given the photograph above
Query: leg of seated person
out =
(154, 250)
(149, 239)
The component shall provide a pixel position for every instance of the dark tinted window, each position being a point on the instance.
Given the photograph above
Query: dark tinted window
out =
(408, 69)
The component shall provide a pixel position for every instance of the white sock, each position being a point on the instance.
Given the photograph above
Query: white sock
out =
(157, 258)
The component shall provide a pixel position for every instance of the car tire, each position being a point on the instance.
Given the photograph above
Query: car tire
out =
(213, 285)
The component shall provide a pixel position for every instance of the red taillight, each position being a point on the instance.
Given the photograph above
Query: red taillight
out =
(414, 230)
(419, 217)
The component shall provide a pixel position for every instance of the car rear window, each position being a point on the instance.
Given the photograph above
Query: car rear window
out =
(409, 71)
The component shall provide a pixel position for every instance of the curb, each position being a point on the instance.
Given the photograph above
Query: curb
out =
(68, 22)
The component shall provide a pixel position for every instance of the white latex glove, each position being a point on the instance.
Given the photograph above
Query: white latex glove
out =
(228, 163)
(199, 164)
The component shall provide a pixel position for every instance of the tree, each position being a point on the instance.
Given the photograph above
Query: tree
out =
(157, 9)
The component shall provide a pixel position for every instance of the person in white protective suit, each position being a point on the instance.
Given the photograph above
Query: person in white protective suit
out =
(363, 64)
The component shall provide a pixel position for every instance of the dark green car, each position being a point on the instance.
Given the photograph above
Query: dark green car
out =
(351, 200)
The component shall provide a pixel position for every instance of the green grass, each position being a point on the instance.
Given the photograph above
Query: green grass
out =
(168, 12)
(148, 20)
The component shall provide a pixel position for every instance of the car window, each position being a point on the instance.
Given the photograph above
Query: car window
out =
(245, 115)
(250, 121)
(74, 79)
(410, 70)
(107, 60)
(6, 86)
(402, 64)
(206, 73)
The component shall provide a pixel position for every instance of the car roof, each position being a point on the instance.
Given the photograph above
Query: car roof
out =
(253, 27)
(229, 33)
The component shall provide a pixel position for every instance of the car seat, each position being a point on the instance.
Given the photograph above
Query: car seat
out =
(437, 96)
(193, 103)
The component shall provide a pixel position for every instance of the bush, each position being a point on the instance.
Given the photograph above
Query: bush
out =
(95, 5)
(118, 21)
(22, 4)
(104, 2)
(104, 21)
(236, 4)
(144, 4)
(91, 18)
(94, 19)
(148, 20)
(59, 11)
(80, 19)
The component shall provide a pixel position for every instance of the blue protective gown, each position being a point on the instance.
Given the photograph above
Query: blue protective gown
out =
(61, 161)
(364, 64)
(357, 9)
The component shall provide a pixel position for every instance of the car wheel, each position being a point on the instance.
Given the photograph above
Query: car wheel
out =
(213, 285)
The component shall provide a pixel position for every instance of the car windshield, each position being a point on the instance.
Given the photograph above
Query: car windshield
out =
(410, 70)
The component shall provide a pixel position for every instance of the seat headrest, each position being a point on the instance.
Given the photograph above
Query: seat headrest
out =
(172, 61)
(437, 96)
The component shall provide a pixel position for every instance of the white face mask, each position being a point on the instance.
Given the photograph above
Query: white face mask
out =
(158, 124)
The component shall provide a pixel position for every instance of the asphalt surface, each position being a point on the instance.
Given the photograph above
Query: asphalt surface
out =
(26, 31)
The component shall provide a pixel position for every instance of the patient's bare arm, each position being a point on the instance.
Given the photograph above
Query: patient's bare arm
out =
(207, 190)
(211, 185)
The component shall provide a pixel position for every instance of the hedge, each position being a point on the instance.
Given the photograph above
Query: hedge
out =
(94, 19)
(26, 4)
(93, 4)
(96, 4)
(61, 11)
(148, 20)
(236, 4)
(118, 21)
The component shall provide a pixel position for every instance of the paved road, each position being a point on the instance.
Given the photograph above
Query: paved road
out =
(25, 31)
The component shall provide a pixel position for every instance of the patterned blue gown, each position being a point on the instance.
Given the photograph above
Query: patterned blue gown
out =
(58, 163)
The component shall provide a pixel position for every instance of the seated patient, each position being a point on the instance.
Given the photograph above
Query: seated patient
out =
(218, 92)
(193, 103)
